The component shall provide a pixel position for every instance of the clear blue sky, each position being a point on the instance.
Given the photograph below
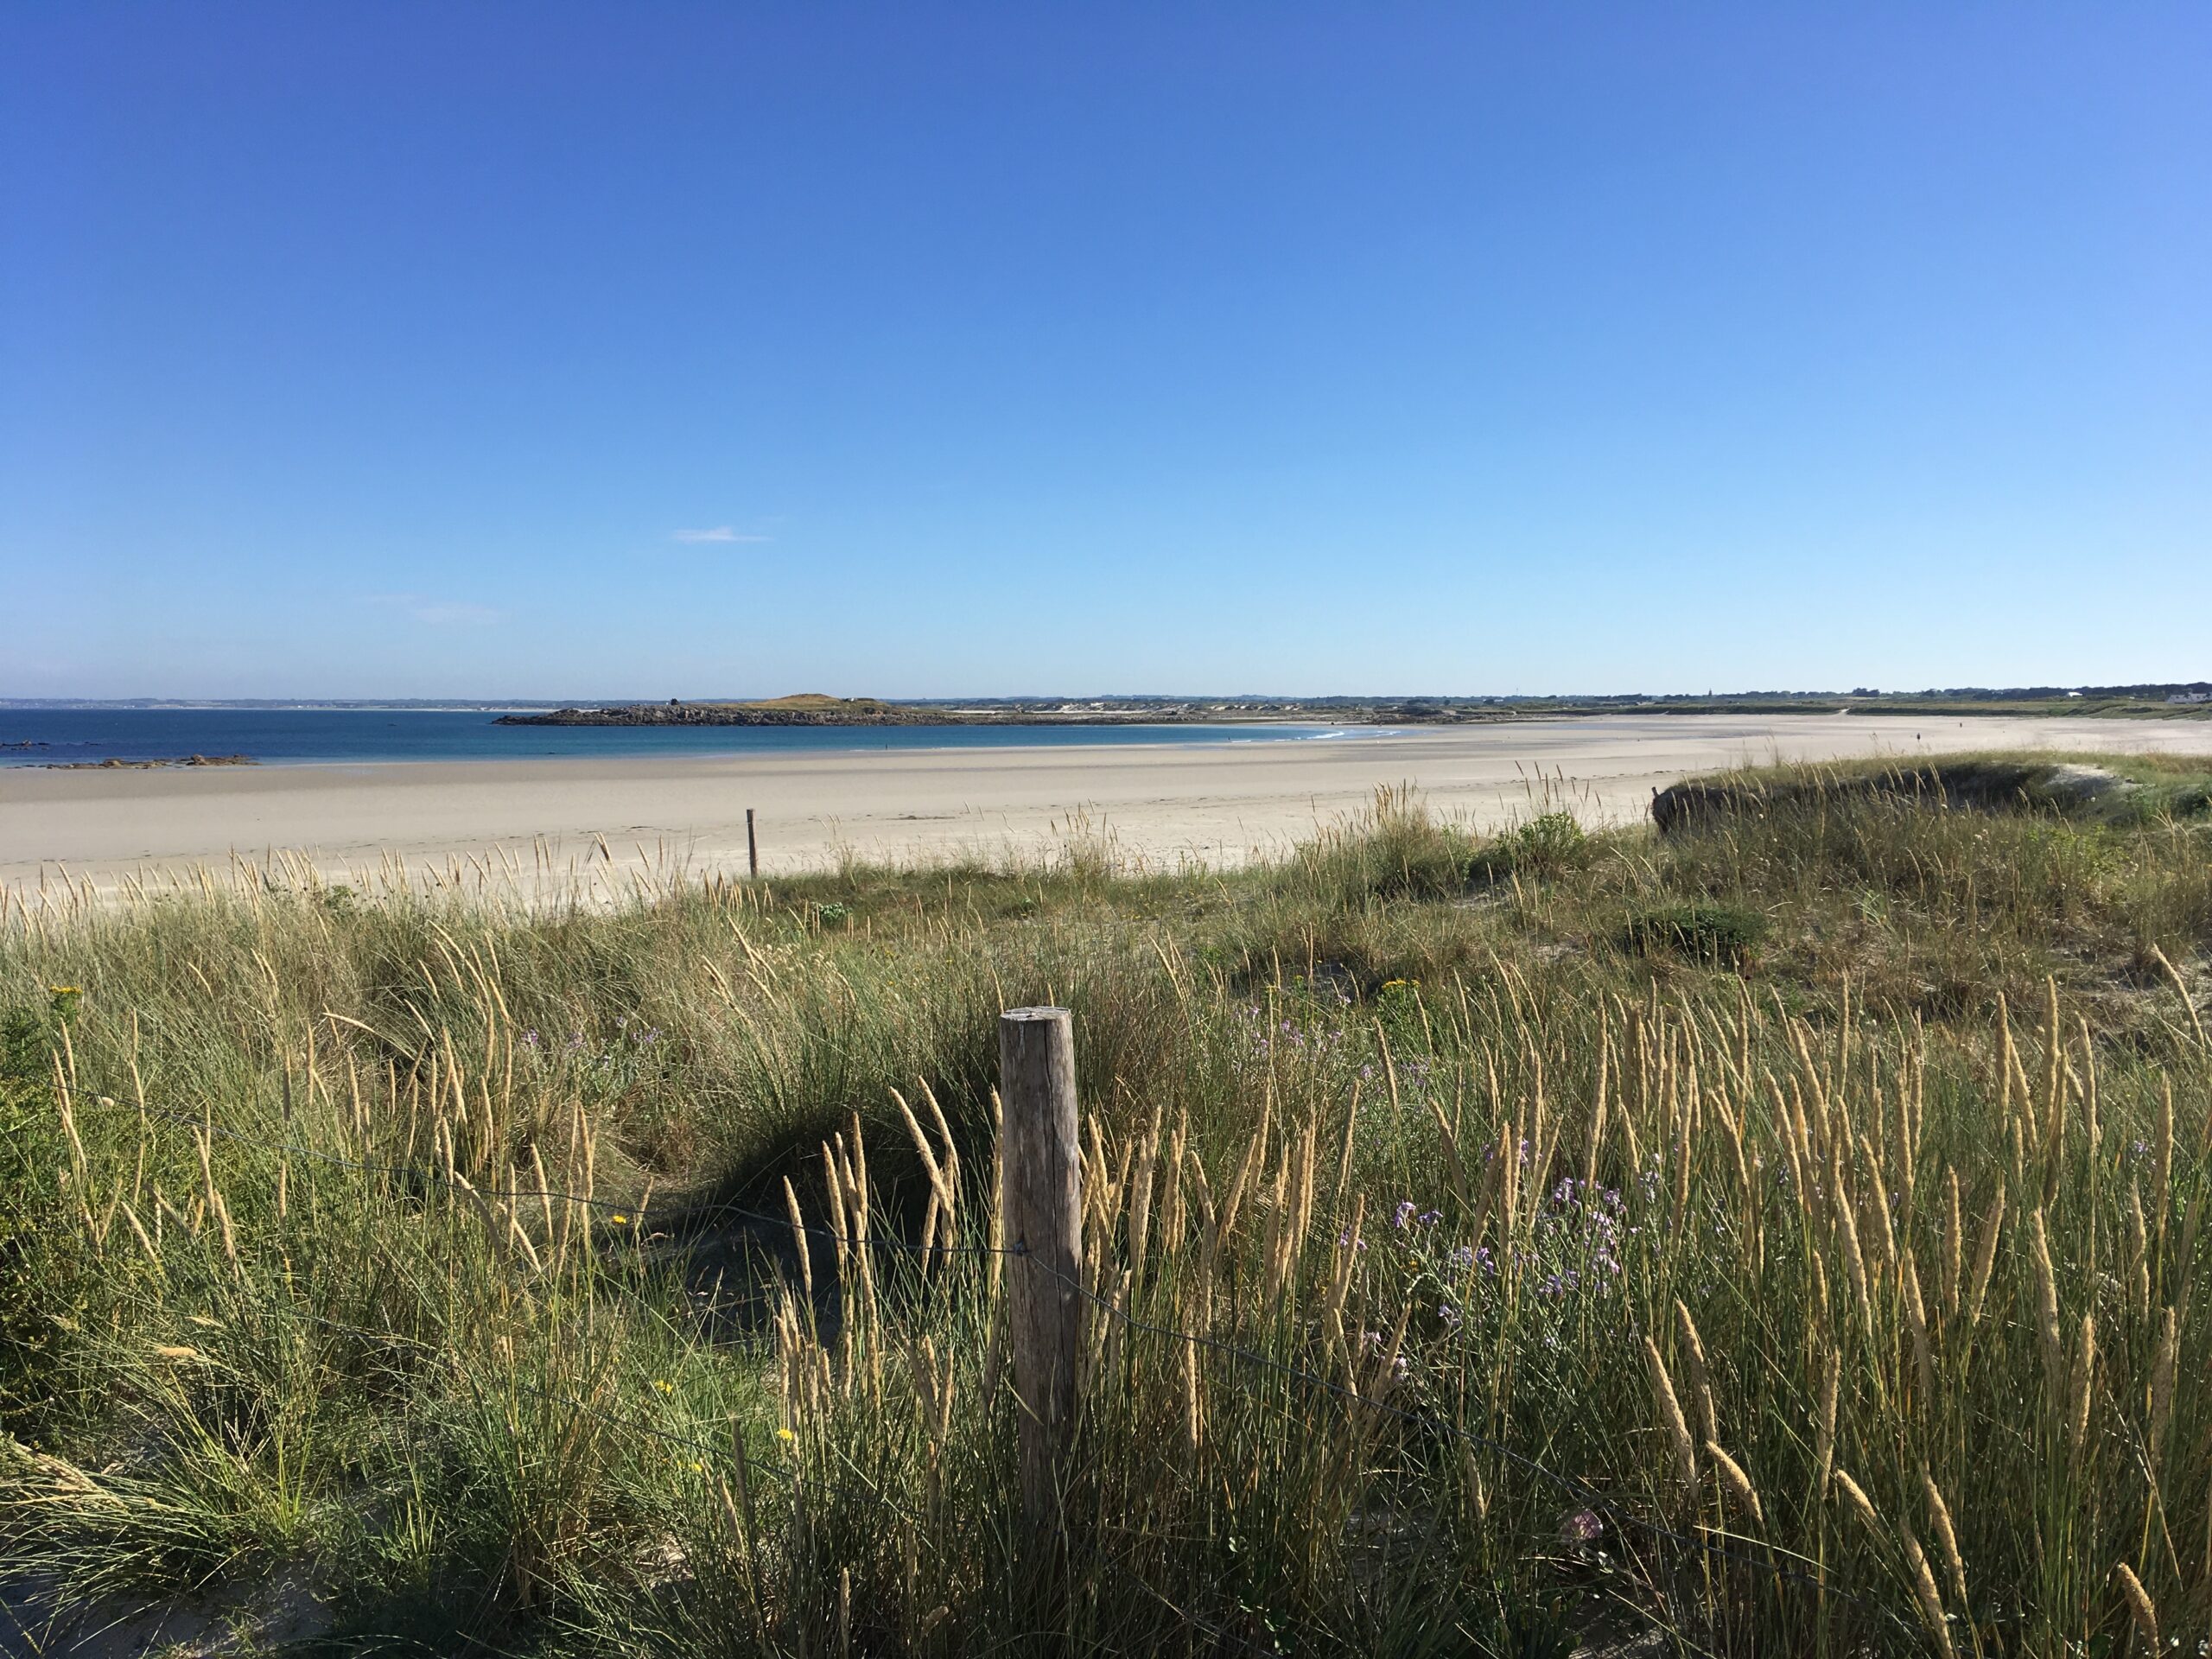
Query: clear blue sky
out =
(655, 349)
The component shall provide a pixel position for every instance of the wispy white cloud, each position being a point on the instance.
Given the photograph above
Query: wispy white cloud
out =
(722, 533)
(449, 615)
(440, 613)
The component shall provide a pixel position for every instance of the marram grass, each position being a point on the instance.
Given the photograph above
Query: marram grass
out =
(1470, 1267)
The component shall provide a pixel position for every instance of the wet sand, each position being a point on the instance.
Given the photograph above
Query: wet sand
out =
(1217, 804)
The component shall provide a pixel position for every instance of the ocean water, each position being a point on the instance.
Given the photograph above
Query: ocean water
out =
(311, 736)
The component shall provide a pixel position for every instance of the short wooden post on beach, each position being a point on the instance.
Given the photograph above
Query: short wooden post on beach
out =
(751, 847)
(1040, 1202)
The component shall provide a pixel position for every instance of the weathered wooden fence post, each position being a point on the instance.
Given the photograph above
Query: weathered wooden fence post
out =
(1040, 1205)
(751, 847)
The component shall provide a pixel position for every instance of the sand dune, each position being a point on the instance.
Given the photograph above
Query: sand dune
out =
(1220, 804)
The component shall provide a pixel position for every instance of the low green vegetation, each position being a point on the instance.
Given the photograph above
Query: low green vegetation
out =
(2138, 789)
(1722, 935)
(1781, 1235)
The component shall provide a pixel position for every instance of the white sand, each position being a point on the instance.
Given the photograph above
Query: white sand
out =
(1216, 802)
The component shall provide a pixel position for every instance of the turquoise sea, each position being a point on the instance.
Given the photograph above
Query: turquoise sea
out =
(310, 736)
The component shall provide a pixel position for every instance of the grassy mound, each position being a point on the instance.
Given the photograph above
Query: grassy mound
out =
(2113, 789)
(1783, 1233)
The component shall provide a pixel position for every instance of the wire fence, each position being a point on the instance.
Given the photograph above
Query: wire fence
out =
(1769, 1561)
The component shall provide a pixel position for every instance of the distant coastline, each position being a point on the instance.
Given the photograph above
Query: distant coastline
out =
(815, 708)
(2187, 700)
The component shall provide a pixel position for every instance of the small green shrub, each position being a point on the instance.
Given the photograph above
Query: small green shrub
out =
(1720, 935)
(1548, 845)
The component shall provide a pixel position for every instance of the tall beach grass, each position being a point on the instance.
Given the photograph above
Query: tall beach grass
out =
(1780, 1237)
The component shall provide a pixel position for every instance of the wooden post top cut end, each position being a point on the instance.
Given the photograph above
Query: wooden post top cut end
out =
(1047, 1015)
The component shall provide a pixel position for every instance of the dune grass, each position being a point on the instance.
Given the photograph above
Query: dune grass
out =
(1781, 1236)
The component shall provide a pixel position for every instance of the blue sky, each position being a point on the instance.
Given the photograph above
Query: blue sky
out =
(486, 350)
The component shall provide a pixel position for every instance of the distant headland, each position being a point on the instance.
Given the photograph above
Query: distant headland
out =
(806, 709)
(818, 709)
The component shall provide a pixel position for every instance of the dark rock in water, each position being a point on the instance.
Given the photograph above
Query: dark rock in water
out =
(1972, 785)
(116, 763)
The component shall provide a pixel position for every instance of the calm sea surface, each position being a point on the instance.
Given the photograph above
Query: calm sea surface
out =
(303, 736)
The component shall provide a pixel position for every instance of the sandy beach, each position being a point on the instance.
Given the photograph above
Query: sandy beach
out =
(1220, 804)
